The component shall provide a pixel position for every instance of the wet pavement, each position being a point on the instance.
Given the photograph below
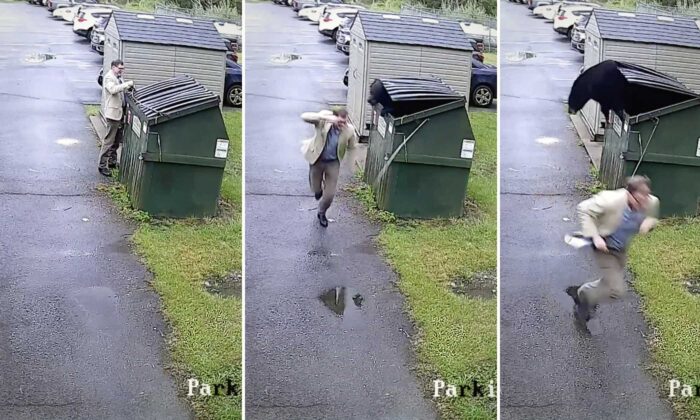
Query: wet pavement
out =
(81, 333)
(325, 329)
(549, 367)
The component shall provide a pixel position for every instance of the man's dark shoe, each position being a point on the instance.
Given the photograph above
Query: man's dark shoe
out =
(318, 195)
(105, 171)
(322, 219)
(573, 292)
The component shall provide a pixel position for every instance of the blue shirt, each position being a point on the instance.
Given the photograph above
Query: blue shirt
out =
(330, 150)
(631, 221)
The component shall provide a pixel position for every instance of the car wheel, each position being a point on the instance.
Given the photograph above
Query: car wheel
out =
(234, 96)
(334, 34)
(569, 33)
(89, 34)
(345, 80)
(482, 96)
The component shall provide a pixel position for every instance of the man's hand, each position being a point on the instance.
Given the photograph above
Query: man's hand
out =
(599, 244)
(331, 119)
(647, 225)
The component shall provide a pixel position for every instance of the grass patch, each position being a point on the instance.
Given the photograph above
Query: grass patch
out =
(92, 110)
(183, 255)
(592, 184)
(457, 333)
(663, 263)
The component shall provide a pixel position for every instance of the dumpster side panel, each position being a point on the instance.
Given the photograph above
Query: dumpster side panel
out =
(426, 191)
(671, 160)
(192, 135)
(678, 198)
(174, 190)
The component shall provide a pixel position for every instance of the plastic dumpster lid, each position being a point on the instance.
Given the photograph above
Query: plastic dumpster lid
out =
(626, 88)
(173, 96)
(417, 89)
(405, 96)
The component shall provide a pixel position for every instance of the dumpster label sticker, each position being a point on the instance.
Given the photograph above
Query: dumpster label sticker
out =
(221, 148)
(467, 149)
(697, 152)
(136, 126)
(381, 126)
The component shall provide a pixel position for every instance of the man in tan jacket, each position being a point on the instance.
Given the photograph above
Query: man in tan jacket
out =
(611, 219)
(333, 136)
(113, 104)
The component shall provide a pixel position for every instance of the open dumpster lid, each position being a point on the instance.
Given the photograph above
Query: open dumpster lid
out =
(172, 97)
(402, 96)
(626, 88)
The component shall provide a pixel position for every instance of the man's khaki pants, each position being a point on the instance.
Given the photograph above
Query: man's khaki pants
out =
(611, 285)
(323, 177)
(110, 144)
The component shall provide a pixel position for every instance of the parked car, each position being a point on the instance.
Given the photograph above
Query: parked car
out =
(97, 40)
(531, 4)
(549, 12)
(86, 20)
(315, 14)
(484, 82)
(68, 13)
(332, 19)
(56, 4)
(233, 86)
(564, 23)
(578, 35)
(342, 38)
(300, 4)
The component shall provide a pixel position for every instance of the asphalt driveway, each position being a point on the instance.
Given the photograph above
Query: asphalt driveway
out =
(82, 335)
(549, 368)
(311, 351)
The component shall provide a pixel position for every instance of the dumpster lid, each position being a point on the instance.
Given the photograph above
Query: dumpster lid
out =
(403, 96)
(624, 87)
(417, 88)
(174, 96)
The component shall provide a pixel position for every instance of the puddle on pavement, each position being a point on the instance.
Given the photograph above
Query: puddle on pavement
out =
(39, 58)
(547, 140)
(67, 142)
(693, 285)
(342, 301)
(228, 286)
(520, 56)
(481, 285)
(284, 58)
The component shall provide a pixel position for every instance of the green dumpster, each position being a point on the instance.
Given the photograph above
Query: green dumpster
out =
(174, 151)
(420, 148)
(663, 144)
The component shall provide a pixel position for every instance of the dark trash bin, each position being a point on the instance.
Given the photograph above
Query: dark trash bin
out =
(175, 149)
(421, 147)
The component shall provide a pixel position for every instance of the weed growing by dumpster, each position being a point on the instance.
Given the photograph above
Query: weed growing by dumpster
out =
(662, 264)
(184, 256)
(457, 333)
